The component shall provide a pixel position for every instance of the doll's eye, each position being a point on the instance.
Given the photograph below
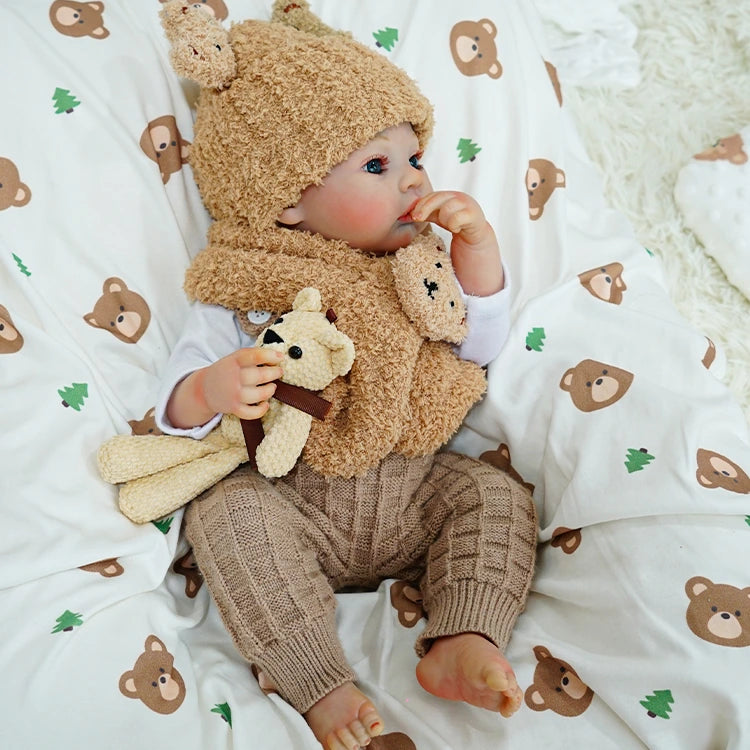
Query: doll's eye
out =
(376, 165)
(414, 161)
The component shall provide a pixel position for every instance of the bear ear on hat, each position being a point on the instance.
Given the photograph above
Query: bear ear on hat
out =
(299, 16)
(200, 48)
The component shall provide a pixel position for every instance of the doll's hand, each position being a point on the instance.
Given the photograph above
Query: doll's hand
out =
(475, 254)
(457, 212)
(240, 383)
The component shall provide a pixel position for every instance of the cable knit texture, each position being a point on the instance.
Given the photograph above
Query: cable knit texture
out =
(273, 555)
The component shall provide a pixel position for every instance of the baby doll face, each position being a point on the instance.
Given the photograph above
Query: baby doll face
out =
(366, 200)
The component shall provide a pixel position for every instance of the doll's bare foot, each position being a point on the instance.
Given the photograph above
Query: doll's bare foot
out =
(467, 667)
(345, 719)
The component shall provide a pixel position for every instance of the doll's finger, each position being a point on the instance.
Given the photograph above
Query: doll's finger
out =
(257, 393)
(430, 204)
(251, 411)
(255, 375)
(258, 355)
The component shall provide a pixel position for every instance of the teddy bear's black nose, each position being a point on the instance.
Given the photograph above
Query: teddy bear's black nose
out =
(271, 337)
(432, 287)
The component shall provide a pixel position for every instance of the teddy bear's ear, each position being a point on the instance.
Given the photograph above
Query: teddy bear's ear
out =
(200, 48)
(307, 299)
(341, 348)
(299, 15)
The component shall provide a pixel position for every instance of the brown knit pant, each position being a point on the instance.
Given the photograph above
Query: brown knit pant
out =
(273, 553)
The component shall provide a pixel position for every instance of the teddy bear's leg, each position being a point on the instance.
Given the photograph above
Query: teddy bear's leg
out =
(255, 549)
(478, 569)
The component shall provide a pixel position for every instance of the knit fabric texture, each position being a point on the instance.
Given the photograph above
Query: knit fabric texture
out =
(273, 554)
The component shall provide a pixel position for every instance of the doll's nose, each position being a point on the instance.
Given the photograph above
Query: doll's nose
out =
(412, 178)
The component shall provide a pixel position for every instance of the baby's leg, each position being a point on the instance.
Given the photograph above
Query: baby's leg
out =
(259, 556)
(478, 571)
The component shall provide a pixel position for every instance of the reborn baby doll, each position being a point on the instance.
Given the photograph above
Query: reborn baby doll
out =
(307, 153)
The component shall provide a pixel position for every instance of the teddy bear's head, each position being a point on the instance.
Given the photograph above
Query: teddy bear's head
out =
(281, 103)
(428, 291)
(315, 351)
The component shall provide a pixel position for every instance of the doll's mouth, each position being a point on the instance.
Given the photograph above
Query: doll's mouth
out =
(407, 217)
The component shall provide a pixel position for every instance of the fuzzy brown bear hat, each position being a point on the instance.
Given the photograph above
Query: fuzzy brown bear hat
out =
(281, 104)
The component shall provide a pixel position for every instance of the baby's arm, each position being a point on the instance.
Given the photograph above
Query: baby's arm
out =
(239, 384)
(211, 335)
(475, 253)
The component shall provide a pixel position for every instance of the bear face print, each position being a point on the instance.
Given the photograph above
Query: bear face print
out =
(718, 613)
(593, 385)
(501, 459)
(473, 48)
(552, 73)
(557, 686)
(162, 143)
(604, 283)
(715, 470)
(120, 311)
(188, 567)
(11, 339)
(78, 19)
(568, 540)
(109, 568)
(730, 149)
(406, 599)
(145, 426)
(13, 192)
(542, 179)
(392, 741)
(154, 680)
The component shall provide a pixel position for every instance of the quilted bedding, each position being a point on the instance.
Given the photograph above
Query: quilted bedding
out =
(604, 399)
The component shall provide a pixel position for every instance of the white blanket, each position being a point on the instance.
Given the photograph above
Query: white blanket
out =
(641, 496)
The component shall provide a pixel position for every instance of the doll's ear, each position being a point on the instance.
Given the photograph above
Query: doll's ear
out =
(200, 48)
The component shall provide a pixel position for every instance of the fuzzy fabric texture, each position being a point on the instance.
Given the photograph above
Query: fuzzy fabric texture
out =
(299, 104)
(404, 392)
(695, 75)
(302, 100)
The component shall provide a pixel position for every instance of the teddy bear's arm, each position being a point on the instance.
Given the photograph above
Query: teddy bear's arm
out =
(286, 431)
(437, 406)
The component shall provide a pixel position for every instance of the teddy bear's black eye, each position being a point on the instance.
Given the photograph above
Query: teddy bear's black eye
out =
(453, 304)
(295, 352)
(217, 47)
(438, 265)
(714, 609)
(278, 320)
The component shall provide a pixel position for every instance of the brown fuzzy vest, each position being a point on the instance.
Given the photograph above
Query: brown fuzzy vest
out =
(403, 393)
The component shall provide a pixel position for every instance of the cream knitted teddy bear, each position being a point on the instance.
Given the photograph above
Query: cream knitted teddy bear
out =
(160, 473)
(315, 353)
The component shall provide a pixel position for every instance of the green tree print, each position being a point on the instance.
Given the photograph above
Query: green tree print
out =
(21, 267)
(658, 704)
(535, 339)
(224, 711)
(67, 621)
(636, 459)
(386, 38)
(64, 101)
(467, 150)
(74, 395)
